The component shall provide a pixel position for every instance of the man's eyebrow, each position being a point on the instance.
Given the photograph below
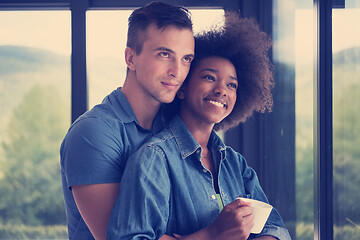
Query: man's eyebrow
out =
(216, 71)
(190, 55)
(171, 51)
(163, 49)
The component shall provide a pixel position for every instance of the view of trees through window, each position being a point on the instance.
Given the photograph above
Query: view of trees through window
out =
(294, 48)
(35, 85)
(346, 119)
(34, 116)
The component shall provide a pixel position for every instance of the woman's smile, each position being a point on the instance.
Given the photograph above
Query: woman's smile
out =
(216, 103)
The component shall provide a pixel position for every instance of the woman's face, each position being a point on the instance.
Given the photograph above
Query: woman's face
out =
(210, 93)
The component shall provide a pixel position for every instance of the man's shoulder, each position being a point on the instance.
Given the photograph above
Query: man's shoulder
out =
(103, 114)
(97, 126)
(90, 124)
(114, 109)
(163, 138)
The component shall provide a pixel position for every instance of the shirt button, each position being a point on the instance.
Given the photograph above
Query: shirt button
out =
(198, 151)
(213, 197)
(204, 170)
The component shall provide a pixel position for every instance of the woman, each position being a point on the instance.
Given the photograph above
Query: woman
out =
(178, 182)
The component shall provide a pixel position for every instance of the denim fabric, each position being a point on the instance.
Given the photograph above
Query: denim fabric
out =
(165, 188)
(95, 150)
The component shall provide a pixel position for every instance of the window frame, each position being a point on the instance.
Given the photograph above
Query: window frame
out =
(323, 118)
(323, 168)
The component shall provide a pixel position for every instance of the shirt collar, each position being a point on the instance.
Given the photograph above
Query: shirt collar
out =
(186, 142)
(121, 106)
(216, 143)
(125, 113)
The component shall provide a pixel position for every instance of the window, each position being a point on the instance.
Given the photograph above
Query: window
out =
(346, 118)
(35, 95)
(279, 145)
(293, 59)
(35, 114)
(105, 52)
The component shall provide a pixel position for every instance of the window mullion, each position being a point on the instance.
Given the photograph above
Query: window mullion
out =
(79, 97)
(323, 161)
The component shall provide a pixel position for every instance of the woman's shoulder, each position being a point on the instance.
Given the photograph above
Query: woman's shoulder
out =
(230, 150)
(233, 156)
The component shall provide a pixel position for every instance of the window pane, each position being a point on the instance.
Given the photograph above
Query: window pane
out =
(304, 122)
(34, 116)
(106, 41)
(106, 45)
(293, 59)
(346, 119)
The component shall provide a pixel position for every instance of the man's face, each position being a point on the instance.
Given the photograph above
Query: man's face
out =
(164, 62)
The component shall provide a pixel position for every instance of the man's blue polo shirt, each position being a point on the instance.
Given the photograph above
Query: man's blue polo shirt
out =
(95, 150)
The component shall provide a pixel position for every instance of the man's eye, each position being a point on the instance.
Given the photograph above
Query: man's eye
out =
(188, 59)
(164, 54)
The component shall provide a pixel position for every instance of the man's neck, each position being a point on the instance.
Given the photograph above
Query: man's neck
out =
(145, 110)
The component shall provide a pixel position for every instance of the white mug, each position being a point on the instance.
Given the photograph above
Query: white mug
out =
(261, 213)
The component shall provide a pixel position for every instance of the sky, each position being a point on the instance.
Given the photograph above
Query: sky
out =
(50, 30)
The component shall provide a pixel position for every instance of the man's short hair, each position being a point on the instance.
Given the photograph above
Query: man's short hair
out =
(159, 13)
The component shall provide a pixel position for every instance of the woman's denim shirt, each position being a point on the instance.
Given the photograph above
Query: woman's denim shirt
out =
(166, 189)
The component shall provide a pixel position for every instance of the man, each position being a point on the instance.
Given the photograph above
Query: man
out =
(159, 51)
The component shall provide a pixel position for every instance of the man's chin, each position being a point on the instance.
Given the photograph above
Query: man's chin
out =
(167, 99)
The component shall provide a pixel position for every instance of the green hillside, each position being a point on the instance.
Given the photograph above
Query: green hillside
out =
(18, 59)
(21, 68)
(351, 55)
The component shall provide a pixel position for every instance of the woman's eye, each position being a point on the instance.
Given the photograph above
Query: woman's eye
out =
(209, 77)
(233, 85)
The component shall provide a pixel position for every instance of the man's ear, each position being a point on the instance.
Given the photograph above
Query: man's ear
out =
(130, 54)
(181, 92)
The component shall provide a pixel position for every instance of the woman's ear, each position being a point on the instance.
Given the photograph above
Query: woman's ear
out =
(129, 58)
(181, 92)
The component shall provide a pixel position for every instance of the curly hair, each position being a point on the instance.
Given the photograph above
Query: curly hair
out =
(242, 42)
